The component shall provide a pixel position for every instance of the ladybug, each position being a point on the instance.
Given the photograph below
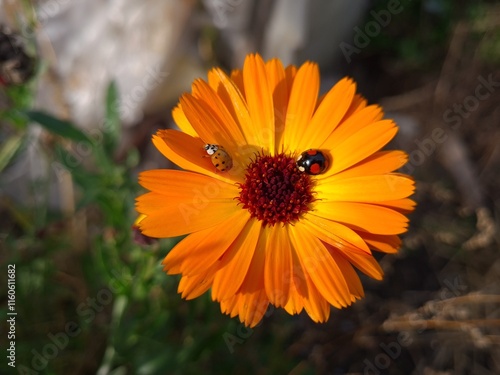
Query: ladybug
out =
(312, 162)
(219, 157)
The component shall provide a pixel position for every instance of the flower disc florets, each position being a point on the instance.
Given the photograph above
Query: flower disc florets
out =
(275, 191)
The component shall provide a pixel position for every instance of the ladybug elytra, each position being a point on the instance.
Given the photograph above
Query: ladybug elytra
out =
(219, 157)
(312, 162)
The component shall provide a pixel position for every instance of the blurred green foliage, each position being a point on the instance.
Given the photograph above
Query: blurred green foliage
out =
(418, 37)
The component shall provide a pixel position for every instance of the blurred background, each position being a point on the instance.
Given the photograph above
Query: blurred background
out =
(83, 85)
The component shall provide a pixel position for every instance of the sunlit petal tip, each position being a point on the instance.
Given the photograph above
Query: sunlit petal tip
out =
(239, 84)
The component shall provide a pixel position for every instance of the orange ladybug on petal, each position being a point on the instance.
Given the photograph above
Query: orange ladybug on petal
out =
(219, 157)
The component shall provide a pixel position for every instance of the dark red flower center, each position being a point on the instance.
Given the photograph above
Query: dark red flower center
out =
(275, 191)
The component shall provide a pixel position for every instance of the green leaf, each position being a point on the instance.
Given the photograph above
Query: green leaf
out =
(73, 163)
(62, 128)
(9, 149)
(112, 119)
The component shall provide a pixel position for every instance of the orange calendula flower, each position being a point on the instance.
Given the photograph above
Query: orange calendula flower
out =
(283, 193)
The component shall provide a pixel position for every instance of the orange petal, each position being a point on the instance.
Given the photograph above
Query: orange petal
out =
(316, 306)
(234, 101)
(295, 302)
(299, 286)
(280, 90)
(254, 279)
(317, 262)
(366, 188)
(187, 185)
(364, 217)
(381, 162)
(336, 234)
(260, 104)
(202, 249)
(385, 244)
(362, 144)
(189, 153)
(304, 294)
(358, 103)
(250, 307)
(328, 115)
(301, 106)
(227, 129)
(236, 261)
(252, 298)
(183, 202)
(290, 73)
(194, 286)
(210, 123)
(401, 205)
(359, 119)
(167, 219)
(278, 266)
(237, 78)
(350, 275)
(254, 308)
(365, 263)
(351, 125)
(182, 122)
(231, 306)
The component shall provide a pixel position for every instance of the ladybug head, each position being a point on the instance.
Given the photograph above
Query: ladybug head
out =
(211, 149)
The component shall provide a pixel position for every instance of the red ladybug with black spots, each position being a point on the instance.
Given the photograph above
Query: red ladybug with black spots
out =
(312, 162)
